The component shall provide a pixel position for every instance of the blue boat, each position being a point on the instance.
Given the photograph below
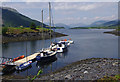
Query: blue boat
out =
(24, 65)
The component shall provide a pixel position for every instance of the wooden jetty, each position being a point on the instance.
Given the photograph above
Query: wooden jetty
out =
(31, 57)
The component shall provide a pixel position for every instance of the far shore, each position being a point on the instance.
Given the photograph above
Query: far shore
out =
(30, 37)
(115, 32)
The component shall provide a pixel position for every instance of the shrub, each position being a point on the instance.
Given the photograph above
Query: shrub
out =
(32, 26)
(4, 30)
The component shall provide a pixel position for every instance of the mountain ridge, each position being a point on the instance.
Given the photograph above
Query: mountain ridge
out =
(12, 18)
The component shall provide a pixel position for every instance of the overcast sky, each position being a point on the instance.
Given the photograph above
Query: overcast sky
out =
(68, 12)
(59, 0)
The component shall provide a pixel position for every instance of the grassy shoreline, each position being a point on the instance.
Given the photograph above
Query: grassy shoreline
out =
(11, 34)
(6, 39)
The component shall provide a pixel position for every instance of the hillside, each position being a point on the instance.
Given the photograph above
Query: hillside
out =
(111, 23)
(104, 23)
(78, 25)
(13, 18)
(97, 23)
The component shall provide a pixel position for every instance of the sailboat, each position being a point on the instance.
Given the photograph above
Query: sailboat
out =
(48, 53)
(25, 64)
(58, 47)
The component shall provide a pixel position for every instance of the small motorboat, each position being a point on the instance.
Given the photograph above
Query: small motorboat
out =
(69, 41)
(24, 65)
(13, 60)
(18, 58)
(64, 42)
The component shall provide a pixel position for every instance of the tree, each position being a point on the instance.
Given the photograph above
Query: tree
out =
(4, 30)
(32, 25)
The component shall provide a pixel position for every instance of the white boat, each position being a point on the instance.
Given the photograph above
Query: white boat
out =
(71, 41)
(59, 46)
(45, 55)
(64, 42)
(67, 41)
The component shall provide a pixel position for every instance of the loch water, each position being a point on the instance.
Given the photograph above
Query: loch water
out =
(88, 43)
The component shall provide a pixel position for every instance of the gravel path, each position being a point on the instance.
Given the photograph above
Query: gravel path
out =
(89, 69)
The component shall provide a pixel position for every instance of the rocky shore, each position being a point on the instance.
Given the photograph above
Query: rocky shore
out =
(30, 36)
(88, 69)
(115, 32)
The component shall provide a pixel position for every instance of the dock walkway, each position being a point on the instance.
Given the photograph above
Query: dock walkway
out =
(19, 62)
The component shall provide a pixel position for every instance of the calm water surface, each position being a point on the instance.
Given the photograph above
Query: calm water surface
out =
(88, 43)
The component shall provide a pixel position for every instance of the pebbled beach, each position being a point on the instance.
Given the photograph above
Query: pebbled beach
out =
(88, 69)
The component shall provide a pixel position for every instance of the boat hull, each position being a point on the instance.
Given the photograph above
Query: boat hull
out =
(47, 62)
(45, 59)
(24, 65)
(62, 50)
(8, 69)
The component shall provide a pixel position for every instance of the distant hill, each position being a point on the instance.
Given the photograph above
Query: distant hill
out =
(78, 25)
(13, 18)
(101, 25)
(62, 25)
(97, 23)
(111, 23)
(70, 25)
(105, 23)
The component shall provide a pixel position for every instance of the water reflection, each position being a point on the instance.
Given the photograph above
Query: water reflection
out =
(29, 67)
(43, 65)
(88, 43)
(62, 55)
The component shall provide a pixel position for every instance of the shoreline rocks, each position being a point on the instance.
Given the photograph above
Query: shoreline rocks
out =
(115, 32)
(89, 69)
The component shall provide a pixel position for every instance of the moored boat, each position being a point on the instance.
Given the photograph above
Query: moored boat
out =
(18, 58)
(24, 65)
(13, 60)
(70, 41)
(67, 41)
(59, 46)
(64, 42)
(45, 55)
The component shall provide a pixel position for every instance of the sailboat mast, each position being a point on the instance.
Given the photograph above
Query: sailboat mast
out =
(42, 24)
(26, 50)
(50, 19)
